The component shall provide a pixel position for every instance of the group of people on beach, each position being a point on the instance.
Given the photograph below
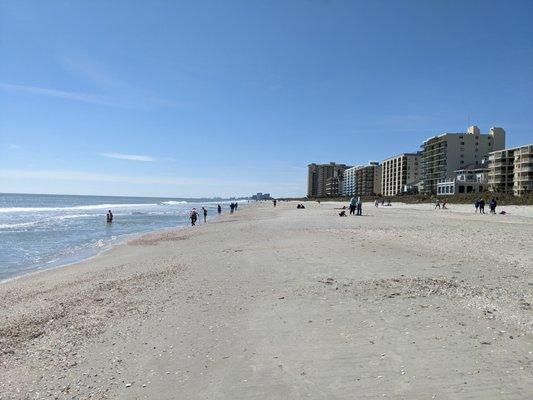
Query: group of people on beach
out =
(479, 204)
(440, 204)
(377, 202)
(194, 215)
(356, 204)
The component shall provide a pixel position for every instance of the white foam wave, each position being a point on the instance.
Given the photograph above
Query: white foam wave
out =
(172, 203)
(86, 207)
(18, 225)
(43, 221)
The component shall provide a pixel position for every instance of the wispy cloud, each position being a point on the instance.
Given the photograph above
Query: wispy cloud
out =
(13, 147)
(76, 96)
(85, 67)
(68, 175)
(129, 157)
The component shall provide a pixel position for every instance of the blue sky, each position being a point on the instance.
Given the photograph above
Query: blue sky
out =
(204, 98)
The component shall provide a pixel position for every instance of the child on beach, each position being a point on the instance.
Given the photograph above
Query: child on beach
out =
(109, 217)
(476, 204)
(205, 214)
(219, 208)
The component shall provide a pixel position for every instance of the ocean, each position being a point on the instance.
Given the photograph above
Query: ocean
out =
(44, 231)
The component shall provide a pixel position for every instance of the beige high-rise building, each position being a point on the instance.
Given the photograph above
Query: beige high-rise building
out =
(318, 175)
(511, 170)
(398, 171)
(444, 154)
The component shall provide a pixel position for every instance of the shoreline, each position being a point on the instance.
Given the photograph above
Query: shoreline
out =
(274, 302)
(526, 211)
(121, 240)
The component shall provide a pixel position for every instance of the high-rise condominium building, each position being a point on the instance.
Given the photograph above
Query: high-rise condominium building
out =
(365, 177)
(511, 170)
(318, 175)
(398, 171)
(446, 153)
(361, 180)
(349, 182)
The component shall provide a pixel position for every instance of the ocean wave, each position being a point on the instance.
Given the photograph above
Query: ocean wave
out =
(18, 225)
(84, 207)
(42, 221)
(172, 203)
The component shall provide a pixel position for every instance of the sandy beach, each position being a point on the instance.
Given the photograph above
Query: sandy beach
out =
(404, 302)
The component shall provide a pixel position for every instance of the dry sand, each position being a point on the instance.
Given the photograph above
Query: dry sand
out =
(279, 303)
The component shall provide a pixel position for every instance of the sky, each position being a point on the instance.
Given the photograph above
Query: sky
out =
(223, 98)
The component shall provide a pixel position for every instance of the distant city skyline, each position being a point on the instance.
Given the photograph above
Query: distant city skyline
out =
(210, 98)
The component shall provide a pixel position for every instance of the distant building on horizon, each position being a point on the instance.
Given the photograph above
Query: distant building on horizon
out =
(261, 196)
(442, 155)
(511, 170)
(318, 175)
(398, 172)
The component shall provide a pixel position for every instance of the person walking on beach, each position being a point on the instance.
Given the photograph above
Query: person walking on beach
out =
(437, 204)
(231, 208)
(376, 203)
(275, 202)
(482, 206)
(109, 217)
(492, 206)
(476, 204)
(236, 204)
(353, 205)
(205, 214)
(193, 216)
(359, 206)
(219, 209)
(444, 204)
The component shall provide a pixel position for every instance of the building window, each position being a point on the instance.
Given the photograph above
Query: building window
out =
(462, 143)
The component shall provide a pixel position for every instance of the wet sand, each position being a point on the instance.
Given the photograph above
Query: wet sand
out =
(277, 303)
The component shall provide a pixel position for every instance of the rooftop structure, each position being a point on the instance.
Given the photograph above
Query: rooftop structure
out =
(442, 155)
